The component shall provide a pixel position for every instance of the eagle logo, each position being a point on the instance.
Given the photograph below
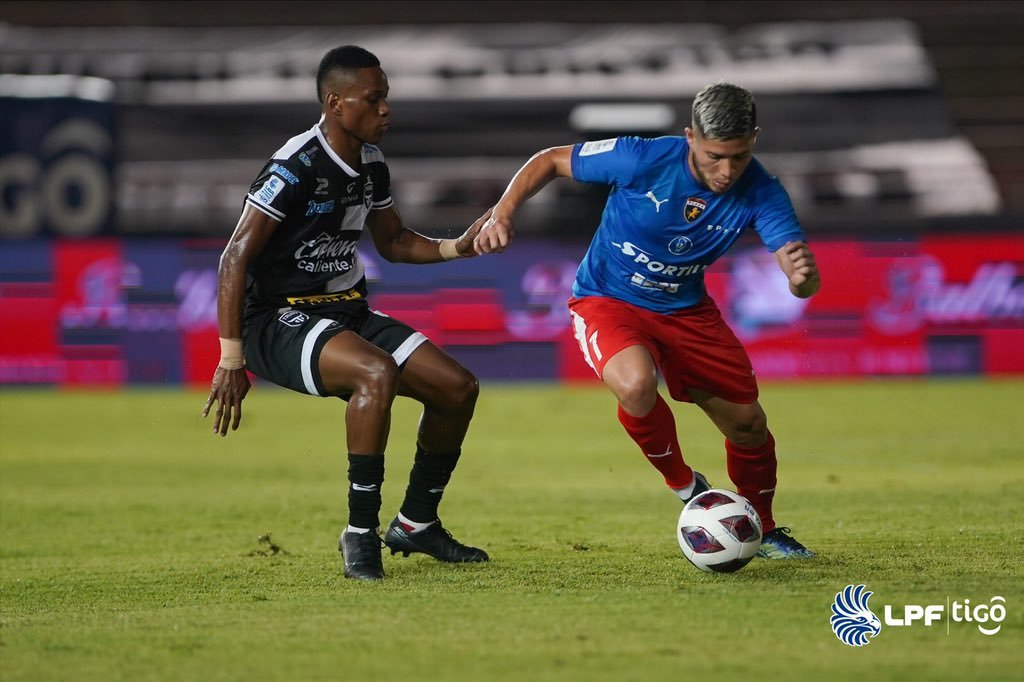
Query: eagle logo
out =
(852, 620)
(694, 208)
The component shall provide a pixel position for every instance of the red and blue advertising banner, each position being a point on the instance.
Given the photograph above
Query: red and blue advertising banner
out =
(117, 311)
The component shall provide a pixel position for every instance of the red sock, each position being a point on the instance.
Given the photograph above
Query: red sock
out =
(752, 470)
(655, 433)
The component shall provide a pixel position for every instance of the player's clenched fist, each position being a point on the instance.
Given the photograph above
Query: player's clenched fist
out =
(495, 235)
(802, 269)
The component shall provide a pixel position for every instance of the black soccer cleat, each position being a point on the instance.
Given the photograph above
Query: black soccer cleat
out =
(361, 552)
(434, 541)
(700, 485)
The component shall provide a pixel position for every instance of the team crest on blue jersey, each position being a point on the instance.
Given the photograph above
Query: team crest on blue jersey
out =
(694, 208)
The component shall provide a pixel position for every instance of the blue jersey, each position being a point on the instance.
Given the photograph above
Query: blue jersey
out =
(661, 228)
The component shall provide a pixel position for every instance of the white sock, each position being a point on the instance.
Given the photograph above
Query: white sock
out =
(353, 529)
(415, 526)
(685, 493)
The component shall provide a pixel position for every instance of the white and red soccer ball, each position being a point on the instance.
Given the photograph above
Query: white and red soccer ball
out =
(719, 531)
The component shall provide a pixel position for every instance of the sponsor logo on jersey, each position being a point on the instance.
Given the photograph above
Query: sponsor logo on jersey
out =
(325, 246)
(284, 173)
(680, 245)
(270, 189)
(645, 283)
(326, 254)
(598, 147)
(694, 208)
(306, 157)
(641, 257)
(347, 295)
(316, 207)
(350, 198)
(321, 186)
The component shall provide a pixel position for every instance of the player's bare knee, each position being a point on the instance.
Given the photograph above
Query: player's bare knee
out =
(379, 382)
(751, 430)
(457, 394)
(468, 390)
(636, 395)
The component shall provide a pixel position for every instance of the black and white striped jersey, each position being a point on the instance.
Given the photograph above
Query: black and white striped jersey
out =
(311, 261)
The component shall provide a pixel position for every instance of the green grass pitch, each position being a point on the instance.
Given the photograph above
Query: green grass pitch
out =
(130, 541)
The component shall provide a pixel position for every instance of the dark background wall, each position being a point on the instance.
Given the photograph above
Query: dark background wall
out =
(974, 47)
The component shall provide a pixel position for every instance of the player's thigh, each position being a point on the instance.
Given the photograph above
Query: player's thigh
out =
(284, 347)
(323, 356)
(433, 377)
(427, 374)
(700, 353)
(615, 342)
(348, 362)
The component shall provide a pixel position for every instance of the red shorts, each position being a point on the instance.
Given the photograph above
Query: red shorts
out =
(693, 348)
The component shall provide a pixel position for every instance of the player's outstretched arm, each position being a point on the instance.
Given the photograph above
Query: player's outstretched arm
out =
(797, 261)
(543, 167)
(398, 244)
(230, 382)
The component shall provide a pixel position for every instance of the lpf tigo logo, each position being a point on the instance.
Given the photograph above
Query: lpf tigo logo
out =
(854, 623)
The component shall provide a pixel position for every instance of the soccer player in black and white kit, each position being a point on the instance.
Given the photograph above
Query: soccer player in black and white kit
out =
(292, 309)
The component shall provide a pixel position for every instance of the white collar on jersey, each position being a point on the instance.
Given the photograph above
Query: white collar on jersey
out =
(330, 152)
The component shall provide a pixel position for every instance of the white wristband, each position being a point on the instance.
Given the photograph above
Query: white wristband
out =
(231, 355)
(448, 249)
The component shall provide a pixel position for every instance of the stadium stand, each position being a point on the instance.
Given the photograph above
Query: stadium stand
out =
(875, 114)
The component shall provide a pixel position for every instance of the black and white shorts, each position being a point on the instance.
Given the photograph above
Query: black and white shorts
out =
(284, 347)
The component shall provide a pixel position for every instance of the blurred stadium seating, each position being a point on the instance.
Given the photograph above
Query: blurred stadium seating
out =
(875, 115)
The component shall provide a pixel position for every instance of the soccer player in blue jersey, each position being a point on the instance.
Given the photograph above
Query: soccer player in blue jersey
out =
(639, 304)
(292, 308)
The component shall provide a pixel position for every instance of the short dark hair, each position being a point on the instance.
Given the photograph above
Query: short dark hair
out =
(724, 111)
(344, 59)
